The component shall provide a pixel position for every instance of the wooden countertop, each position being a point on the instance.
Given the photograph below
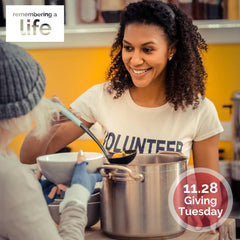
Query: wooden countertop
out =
(95, 233)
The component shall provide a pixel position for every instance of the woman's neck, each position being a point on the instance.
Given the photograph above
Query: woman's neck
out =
(150, 96)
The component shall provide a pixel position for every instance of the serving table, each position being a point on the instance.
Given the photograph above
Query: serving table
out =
(95, 233)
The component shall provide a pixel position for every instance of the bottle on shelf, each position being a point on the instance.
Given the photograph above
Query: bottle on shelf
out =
(214, 9)
(187, 7)
(111, 10)
(72, 12)
(88, 10)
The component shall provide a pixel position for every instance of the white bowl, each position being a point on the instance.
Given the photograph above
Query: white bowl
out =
(58, 168)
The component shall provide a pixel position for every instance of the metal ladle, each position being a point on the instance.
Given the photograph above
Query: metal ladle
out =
(116, 160)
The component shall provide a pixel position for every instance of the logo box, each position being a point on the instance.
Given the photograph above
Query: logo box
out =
(34, 23)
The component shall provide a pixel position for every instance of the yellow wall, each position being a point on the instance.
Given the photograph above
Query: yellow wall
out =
(222, 64)
(70, 72)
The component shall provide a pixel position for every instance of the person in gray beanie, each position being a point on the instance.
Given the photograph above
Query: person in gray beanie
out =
(23, 210)
(22, 81)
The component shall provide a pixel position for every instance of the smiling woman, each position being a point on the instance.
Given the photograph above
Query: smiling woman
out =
(154, 98)
(156, 85)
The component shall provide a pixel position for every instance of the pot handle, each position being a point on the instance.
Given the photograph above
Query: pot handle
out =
(116, 176)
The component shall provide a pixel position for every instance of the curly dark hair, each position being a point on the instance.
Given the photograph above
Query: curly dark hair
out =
(186, 76)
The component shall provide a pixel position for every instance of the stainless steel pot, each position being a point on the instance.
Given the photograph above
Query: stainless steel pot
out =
(134, 198)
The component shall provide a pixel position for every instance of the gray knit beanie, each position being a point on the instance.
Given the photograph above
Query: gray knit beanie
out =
(22, 81)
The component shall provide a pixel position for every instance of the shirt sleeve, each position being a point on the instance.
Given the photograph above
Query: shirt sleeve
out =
(27, 215)
(73, 222)
(87, 103)
(208, 123)
(73, 211)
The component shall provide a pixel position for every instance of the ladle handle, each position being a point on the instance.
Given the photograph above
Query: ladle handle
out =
(73, 118)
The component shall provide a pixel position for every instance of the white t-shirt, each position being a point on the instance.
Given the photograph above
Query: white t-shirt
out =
(149, 130)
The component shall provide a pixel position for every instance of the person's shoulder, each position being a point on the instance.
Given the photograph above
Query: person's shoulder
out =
(12, 171)
(205, 102)
(96, 90)
(99, 87)
(206, 106)
(90, 97)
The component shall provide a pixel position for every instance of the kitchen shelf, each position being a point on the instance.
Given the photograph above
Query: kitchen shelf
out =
(102, 35)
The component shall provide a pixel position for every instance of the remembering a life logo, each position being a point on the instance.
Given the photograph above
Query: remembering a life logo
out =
(38, 23)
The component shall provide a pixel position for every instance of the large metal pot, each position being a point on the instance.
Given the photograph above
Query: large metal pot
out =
(134, 198)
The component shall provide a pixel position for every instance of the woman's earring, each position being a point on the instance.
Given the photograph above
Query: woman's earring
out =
(170, 57)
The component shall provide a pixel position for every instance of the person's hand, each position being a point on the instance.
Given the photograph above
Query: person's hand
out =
(81, 176)
(50, 190)
(62, 118)
(226, 230)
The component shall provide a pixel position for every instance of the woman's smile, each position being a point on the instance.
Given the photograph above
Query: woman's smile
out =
(139, 72)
